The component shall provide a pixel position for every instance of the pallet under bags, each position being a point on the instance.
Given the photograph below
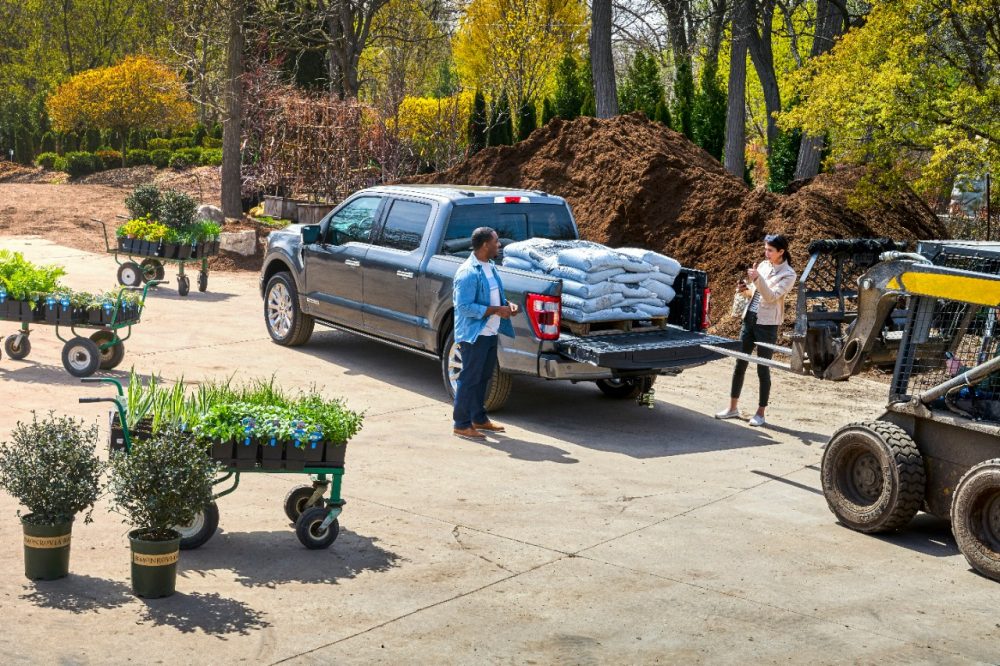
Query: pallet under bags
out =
(600, 283)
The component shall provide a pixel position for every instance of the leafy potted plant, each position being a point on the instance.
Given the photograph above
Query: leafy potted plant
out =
(51, 467)
(161, 482)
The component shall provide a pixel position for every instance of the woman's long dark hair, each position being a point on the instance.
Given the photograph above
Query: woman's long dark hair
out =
(779, 242)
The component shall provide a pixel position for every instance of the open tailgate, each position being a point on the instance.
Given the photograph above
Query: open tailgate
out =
(667, 348)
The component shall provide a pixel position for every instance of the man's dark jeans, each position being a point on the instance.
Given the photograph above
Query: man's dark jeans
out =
(750, 333)
(478, 360)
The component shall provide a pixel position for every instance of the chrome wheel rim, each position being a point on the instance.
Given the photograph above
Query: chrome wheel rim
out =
(129, 277)
(193, 527)
(279, 310)
(79, 357)
(454, 366)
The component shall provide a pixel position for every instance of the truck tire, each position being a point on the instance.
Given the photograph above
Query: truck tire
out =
(626, 388)
(975, 517)
(873, 476)
(451, 364)
(286, 323)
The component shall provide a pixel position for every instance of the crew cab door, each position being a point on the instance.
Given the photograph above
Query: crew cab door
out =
(334, 282)
(391, 269)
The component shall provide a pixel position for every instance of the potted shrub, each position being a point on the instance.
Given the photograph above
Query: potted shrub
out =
(50, 466)
(162, 482)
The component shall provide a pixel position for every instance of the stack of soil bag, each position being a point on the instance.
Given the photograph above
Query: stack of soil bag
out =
(600, 283)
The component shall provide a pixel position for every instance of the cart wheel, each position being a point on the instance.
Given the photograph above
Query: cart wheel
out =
(201, 529)
(17, 348)
(309, 532)
(873, 476)
(975, 517)
(152, 270)
(81, 357)
(112, 356)
(130, 274)
(297, 501)
(203, 281)
(183, 285)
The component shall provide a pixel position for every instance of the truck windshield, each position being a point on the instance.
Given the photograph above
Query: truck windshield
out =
(513, 222)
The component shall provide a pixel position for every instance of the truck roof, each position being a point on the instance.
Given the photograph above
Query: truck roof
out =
(467, 194)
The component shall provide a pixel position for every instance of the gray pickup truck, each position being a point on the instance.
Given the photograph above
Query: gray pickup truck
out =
(381, 264)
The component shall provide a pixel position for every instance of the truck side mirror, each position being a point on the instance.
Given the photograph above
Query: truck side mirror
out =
(310, 234)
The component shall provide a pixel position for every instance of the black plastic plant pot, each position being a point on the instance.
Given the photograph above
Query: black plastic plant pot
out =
(295, 456)
(313, 451)
(154, 565)
(270, 456)
(335, 453)
(169, 250)
(184, 251)
(144, 430)
(124, 244)
(246, 454)
(222, 452)
(46, 550)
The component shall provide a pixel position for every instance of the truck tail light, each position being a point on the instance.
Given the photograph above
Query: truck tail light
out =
(511, 199)
(545, 315)
(706, 304)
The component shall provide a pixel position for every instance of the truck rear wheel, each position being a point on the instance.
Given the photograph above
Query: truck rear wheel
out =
(286, 323)
(873, 476)
(975, 517)
(626, 388)
(451, 365)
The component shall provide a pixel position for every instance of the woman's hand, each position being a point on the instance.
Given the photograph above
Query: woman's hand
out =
(752, 274)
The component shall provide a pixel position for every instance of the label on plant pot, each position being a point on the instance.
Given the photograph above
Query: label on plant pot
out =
(156, 560)
(47, 542)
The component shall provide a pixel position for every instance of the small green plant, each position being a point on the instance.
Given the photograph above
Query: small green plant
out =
(179, 161)
(177, 209)
(23, 280)
(144, 201)
(137, 157)
(110, 159)
(211, 156)
(160, 157)
(51, 467)
(47, 160)
(81, 164)
(161, 482)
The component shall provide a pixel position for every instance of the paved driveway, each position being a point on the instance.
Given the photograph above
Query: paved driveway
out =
(595, 531)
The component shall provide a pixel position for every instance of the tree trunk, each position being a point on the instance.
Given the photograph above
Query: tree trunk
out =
(232, 205)
(602, 67)
(735, 153)
(716, 28)
(829, 24)
(763, 62)
(676, 11)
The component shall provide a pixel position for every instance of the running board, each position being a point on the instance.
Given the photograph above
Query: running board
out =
(778, 348)
(778, 365)
(375, 338)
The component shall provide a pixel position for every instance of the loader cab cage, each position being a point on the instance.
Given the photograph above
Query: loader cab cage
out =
(943, 338)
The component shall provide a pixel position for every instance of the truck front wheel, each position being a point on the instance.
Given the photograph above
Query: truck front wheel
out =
(451, 366)
(286, 323)
(626, 388)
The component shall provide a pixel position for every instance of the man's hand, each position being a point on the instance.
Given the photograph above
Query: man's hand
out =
(502, 311)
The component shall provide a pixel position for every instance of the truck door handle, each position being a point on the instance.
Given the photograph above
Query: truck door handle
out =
(352, 262)
(406, 275)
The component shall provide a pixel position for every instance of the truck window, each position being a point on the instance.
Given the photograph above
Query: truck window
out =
(404, 225)
(513, 222)
(354, 222)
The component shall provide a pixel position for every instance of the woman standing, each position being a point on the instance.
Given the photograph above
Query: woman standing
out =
(768, 284)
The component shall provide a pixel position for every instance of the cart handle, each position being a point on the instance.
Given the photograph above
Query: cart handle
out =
(86, 400)
(107, 241)
(103, 380)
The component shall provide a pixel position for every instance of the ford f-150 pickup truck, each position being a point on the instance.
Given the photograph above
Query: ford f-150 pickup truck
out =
(381, 265)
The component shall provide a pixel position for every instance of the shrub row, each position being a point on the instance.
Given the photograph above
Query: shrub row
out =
(83, 163)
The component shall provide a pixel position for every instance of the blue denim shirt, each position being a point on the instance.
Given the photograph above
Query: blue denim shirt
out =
(471, 297)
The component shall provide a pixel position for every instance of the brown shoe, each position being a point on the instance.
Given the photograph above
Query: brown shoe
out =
(468, 433)
(489, 426)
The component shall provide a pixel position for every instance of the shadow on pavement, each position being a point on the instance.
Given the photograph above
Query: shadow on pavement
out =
(213, 614)
(520, 449)
(30, 372)
(926, 534)
(267, 559)
(165, 293)
(80, 594)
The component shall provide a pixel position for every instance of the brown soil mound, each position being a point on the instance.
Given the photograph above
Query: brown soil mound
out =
(633, 182)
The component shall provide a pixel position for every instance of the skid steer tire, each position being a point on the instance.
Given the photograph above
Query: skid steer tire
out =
(873, 476)
(975, 517)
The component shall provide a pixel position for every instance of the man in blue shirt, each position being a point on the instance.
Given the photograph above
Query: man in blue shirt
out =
(481, 312)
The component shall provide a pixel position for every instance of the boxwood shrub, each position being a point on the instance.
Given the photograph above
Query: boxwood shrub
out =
(160, 158)
(47, 160)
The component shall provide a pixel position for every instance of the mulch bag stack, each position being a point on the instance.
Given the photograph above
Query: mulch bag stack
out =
(600, 283)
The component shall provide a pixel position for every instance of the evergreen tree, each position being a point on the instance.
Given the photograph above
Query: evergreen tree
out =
(662, 113)
(641, 89)
(589, 107)
(501, 132)
(683, 97)
(447, 80)
(477, 124)
(710, 113)
(527, 121)
(548, 111)
(569, 88)
(782, 160)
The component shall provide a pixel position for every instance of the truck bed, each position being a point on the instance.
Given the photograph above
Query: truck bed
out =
(669, 347)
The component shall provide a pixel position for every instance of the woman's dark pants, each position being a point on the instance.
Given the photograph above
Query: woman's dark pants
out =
(750, 333)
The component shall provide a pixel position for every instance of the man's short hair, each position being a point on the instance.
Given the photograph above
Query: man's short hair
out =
(481, 236)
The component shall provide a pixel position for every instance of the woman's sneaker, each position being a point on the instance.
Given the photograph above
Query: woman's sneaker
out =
(757, 420)
(728, 414)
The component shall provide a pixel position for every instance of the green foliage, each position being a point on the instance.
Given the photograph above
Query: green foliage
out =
(589, 107)
(710, 113)
(192, 155)
(548, 111)
(210, 142)
(477, 124)
(161, 482)
(158, 144)
(179, 142)
(92, 140)
(51, 467)
(570, 90)
(49, 143)
(47, 160)
(684, 97)
(179, 160)
(144, 201)
(501, 132)
(137, 157)
(198, 134)
(527, 122)
(69, 143)
(159, 157)
(82, 163)
(782, 160)
(211, 157)
(24, 280)
(177, 209)
(110, 159)
(641, 88)
(447, 83)
(662, 114)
